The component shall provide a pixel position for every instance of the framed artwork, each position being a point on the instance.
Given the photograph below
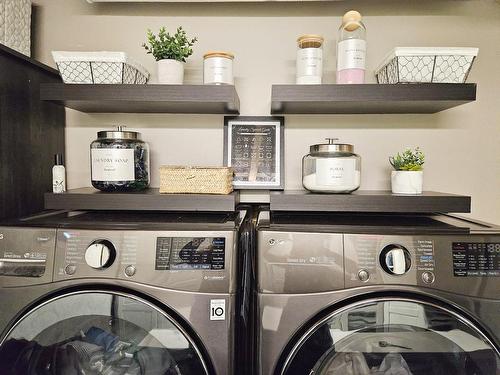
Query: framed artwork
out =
(253, 146)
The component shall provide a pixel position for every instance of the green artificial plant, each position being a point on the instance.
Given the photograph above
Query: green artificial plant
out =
(166, 46)
(409, 160)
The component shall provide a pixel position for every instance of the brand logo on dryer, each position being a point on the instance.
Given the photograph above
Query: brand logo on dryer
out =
(1, 236)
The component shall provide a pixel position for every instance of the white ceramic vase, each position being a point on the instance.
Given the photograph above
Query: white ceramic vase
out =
(170, 72)
(407, 182)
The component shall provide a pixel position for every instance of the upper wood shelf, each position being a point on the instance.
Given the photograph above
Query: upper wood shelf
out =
(369, 201)
(202, 99)
(147, 200)
(370, 98)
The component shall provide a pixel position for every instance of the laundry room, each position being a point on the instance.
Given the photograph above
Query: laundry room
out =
(249, 187)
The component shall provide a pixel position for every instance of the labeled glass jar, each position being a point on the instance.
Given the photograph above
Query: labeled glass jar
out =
(119, 161)
(218, 68)
(309, 64)
(331, 168)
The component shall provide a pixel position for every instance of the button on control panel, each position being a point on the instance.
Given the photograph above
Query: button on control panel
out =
(428, 277)
(363, 275)
(70, 269)
(130, 270)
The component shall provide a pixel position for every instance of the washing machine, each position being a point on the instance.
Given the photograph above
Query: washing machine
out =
(359, 294)
(119, 293)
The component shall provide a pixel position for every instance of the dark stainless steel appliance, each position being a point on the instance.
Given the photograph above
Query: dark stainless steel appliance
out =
(369, 294)
(148, 293)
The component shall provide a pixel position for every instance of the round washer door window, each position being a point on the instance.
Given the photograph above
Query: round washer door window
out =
(99, 333)
(401, 337)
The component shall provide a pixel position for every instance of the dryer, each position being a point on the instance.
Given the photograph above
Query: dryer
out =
(119, 293)
(367, 294)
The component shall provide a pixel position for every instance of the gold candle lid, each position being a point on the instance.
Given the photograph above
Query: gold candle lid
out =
(227, 55)
(310, 41)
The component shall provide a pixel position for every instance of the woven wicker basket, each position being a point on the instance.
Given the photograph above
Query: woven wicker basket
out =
(196, 180)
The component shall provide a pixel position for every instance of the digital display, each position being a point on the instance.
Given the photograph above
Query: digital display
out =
(476, 259)
(190, 253)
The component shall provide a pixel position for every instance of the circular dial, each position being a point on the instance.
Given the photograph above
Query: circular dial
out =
(100, 254)
(395, 259)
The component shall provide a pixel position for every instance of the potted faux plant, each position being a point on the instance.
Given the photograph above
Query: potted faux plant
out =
(170, 52)
(408, 176)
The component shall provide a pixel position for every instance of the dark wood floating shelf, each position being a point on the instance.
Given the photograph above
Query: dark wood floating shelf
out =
(28, 61)
(202, 99)
(148, 200)
(370, 201)
(370, 98)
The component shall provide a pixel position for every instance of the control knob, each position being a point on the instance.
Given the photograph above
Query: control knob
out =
(100, 254)
(395, 259)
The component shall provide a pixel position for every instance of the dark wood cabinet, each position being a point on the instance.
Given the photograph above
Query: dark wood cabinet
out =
(31, 132)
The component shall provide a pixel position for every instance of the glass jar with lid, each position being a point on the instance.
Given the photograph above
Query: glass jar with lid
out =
(331, 168)
(119, 161)
(309, 64)
(218, 68)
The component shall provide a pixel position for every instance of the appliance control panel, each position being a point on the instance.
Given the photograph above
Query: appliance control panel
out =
(476, 259)
(190, 253)
(200, 261)
(434, 261)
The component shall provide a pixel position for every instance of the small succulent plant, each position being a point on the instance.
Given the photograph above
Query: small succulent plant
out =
(166, 46)
(409, 160)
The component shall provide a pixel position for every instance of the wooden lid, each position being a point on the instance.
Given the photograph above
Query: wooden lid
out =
(310, 38)
(351, 20)
(227, 55)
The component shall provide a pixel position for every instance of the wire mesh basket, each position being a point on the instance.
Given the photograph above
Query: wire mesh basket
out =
(99, 68)
(15, 25)
(426, 65)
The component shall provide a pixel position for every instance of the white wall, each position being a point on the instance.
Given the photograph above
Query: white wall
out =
(461, 144)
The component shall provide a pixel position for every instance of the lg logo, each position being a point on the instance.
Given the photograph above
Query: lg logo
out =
(217, 309)
(1, 236)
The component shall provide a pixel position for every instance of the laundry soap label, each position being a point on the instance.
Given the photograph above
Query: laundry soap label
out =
(111, 164)
(337, 173)
(351, 54)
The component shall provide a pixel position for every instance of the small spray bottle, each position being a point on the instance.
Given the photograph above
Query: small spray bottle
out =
(58, 175)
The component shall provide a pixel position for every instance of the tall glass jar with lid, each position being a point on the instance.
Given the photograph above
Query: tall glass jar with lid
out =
(119, 161)
(331, 168)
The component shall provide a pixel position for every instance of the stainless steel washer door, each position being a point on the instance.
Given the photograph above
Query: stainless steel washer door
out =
(99, 332)
(393, 336)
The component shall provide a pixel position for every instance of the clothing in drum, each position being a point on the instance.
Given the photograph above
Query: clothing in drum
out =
(401, 337)
(98, 333)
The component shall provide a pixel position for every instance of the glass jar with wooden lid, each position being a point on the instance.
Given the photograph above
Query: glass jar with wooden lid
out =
(218, 68)
(309, 59)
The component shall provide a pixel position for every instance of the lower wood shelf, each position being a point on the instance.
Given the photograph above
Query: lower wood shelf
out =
(147, 200)
(370, 201)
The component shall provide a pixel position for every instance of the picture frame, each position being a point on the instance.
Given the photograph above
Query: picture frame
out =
(254, 147)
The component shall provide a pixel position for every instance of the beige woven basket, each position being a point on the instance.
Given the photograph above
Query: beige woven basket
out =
(196, 180)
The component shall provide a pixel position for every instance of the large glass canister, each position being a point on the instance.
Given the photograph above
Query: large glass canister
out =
(331, 168)
(309, 64)
(119, 161)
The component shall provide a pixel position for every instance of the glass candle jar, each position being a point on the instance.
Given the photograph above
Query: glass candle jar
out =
(309, 62)
(119, 161)
(331, 168)
(218, 68)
